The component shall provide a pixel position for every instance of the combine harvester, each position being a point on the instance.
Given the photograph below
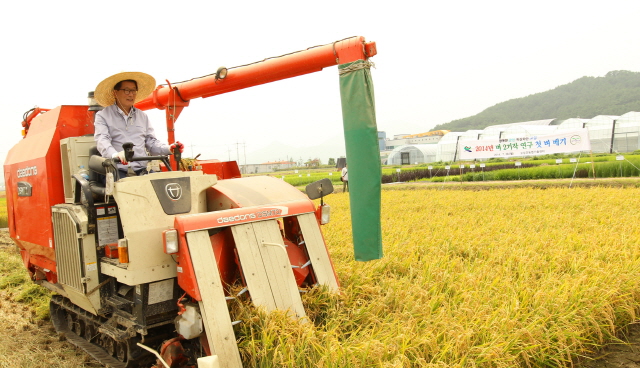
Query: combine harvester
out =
(143, 277)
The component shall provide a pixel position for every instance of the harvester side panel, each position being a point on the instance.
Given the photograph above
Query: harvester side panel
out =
(36, 160)
(215, 313)
(222, 170)
(68, 250)
(318, 254)
(76, 256)
(266, 267)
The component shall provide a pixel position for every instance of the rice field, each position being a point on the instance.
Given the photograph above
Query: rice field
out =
(494, 278)
(500, 277)
(4, 218)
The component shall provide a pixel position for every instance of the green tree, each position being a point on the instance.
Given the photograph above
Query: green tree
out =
(313, 163)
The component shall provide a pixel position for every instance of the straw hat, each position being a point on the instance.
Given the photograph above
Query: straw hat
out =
(104, 91)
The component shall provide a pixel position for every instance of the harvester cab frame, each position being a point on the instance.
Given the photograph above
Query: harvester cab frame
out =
(145, 274)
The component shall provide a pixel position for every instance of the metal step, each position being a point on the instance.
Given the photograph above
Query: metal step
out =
(119, 302)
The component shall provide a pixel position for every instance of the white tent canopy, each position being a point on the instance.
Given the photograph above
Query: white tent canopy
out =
(604, 137)
(412, 154)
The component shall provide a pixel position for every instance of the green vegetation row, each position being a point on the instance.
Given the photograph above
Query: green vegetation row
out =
(301, 179)
(608, 170)
(542, 167)
(606, 166)
(4, 220)
(583, 170)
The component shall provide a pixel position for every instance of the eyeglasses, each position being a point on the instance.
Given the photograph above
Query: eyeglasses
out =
(129, 91)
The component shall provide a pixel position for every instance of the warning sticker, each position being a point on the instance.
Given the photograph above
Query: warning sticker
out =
(160, 291)
(107, 230)
(111, 210)
(100, 211)
(92, 266)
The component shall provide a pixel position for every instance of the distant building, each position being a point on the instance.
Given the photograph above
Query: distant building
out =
(607, 133)
(389, 150)
(267, 167)
(382, 137)
(412, 154)
(421, 138)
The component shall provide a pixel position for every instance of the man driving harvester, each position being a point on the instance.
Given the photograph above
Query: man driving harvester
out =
(120, 122)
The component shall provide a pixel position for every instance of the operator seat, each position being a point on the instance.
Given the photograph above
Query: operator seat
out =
(97, 172)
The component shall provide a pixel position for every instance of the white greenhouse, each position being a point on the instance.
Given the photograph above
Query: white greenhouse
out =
(607, 133)
(412, 154)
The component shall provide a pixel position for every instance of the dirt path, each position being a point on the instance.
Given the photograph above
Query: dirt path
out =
(622, 355)
(30, 343)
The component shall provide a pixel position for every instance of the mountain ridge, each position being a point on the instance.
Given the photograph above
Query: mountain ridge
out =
(616, 93)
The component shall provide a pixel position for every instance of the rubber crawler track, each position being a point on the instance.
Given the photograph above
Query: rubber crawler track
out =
(97, 352)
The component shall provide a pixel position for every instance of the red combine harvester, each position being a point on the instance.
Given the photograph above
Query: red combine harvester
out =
(143, 269)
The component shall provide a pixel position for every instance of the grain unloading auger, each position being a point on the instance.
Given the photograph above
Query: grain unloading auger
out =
(146, 275)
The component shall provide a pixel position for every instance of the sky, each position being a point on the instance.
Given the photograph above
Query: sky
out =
(437, 61)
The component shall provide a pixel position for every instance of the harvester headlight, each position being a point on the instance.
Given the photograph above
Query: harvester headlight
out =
(170, 240)
(221, 73)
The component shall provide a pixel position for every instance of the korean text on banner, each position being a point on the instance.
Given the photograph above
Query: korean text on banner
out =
(560, 142)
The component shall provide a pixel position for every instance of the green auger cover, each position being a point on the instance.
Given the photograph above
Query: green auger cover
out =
(363, 158)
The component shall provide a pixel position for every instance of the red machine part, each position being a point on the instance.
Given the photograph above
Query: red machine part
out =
(111, 250)
(292, 230)
(299, 261)
(223, 248)
(223, 170)
(29, 115)
(174, 98)
(172, 353)
(36, 160)
(228, 207)
(236, 216)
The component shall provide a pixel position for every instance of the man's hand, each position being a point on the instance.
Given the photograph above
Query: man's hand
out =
(120, 155)
(177, 144)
